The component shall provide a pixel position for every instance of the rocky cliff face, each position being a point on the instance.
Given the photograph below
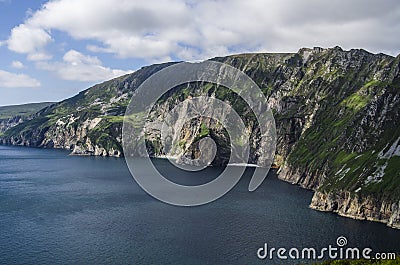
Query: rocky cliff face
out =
(5, 124)
(11, 116)
(358, 207)
(337, 117)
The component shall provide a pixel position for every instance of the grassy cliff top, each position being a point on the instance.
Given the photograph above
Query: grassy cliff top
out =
(7, 112)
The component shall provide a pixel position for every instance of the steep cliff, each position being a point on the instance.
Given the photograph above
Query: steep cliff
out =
(337, 117)
(11, 116)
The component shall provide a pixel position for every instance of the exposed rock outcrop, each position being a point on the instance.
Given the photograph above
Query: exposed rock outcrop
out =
(358, 207)
(6, 124)
(337, 117)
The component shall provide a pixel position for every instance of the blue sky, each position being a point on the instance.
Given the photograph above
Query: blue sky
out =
(51, 50)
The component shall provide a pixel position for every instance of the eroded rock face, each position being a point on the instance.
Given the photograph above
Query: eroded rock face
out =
(5, 124)
(337, 116)
(358, 207)
(308, 179)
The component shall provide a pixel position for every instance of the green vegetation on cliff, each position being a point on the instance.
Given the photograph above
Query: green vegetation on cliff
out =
(8, 112)
(337, 115)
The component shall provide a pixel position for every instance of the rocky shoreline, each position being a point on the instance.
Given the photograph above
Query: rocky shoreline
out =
(342, 203)
(358, 207)
(336, 112)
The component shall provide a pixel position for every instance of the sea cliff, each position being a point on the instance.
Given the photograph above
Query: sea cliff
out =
(337, 117)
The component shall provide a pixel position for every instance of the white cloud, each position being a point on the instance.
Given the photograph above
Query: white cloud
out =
(76, 58)
(17, 64)
(39, 56)
(30, 40)
(200, 29)
(9, 80)
(79, 67)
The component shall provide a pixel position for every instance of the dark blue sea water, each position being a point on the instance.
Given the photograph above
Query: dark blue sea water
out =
(60, 209)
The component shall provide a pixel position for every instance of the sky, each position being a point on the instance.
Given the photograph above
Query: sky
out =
(51, 50)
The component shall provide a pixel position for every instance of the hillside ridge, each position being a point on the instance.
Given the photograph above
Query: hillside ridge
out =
(337, 114)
